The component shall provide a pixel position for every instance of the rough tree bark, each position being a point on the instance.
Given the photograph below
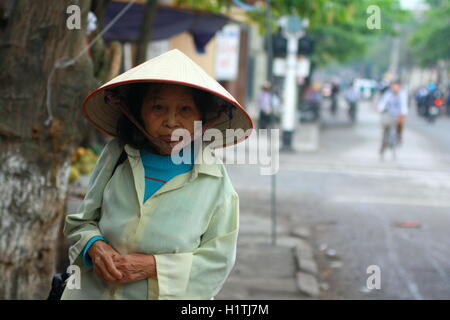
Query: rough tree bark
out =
(34, 158)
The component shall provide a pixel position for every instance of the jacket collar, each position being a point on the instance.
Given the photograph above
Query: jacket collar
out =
(205, 161)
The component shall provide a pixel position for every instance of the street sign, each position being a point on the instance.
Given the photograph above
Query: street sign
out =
(279, 67)
(227, 53)
(303, 66)
(294, 24)
(291, 25)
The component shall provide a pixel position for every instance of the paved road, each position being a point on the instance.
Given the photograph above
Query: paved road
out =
(354, 203)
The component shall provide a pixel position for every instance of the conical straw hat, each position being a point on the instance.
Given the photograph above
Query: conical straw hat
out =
(171, 67)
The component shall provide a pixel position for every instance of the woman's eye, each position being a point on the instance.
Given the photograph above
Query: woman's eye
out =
(157, 107)
(186, 108)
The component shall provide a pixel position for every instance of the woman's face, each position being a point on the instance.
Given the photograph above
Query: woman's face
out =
(168, 107)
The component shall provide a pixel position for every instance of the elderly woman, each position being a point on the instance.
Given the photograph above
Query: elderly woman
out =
(150, 228)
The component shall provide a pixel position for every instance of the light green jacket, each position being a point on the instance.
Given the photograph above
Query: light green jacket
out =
(190, 225)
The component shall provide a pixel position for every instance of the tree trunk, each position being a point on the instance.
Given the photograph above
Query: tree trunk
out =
(34, 157)
(146, 31)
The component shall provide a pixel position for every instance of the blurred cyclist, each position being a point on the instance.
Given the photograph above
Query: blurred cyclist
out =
(394, 105)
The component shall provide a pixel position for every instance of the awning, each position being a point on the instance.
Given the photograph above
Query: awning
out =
(168, 23)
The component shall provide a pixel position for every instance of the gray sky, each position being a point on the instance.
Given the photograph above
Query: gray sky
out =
(413, 4)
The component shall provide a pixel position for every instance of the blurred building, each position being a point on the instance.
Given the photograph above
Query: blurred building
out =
(218, 42)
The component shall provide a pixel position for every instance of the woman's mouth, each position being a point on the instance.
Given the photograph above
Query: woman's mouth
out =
(167, 138)
(179, 144)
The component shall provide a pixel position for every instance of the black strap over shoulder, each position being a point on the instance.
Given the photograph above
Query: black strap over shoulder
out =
(58, 285)
(121, 159)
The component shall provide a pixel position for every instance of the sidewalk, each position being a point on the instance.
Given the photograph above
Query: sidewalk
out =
(287, 271)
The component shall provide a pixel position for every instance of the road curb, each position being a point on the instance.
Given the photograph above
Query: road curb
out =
(307, 270)
(308, 284)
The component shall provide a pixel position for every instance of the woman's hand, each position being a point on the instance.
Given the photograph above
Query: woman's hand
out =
(102, 255)
(135, 267)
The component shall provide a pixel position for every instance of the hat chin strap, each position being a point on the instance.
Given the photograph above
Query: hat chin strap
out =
(159, 145)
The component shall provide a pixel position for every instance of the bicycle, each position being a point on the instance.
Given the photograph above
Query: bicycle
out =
(390, 138)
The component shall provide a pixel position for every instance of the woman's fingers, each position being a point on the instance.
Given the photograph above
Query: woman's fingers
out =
(123, 280)
(111, 266)
(99, 272)
(103, 270)
(104, 262)
(116, 268)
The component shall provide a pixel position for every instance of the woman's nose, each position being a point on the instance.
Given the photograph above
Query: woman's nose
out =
(171, 120)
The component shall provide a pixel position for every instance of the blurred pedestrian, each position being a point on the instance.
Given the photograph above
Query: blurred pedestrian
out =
(352, 96)
(421, 100)
(448, 102)
(334, 97)
(393, 106)
(311, 103)
(268, 104)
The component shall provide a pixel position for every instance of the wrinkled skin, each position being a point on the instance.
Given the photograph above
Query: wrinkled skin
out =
(166, 108)
(111, 266)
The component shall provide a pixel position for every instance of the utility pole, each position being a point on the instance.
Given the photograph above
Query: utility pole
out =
(273, 176)
(395, 57)
(292, 30)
